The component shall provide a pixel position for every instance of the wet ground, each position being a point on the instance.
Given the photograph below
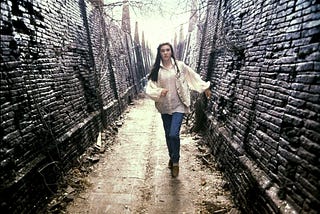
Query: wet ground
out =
(132, 175)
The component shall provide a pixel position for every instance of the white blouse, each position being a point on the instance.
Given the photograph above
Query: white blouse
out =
(167, 80)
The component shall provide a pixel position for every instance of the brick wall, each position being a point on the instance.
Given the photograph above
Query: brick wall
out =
(263, 60)
(64, 76)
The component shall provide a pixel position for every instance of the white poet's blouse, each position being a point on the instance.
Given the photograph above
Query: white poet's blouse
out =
(167, 80)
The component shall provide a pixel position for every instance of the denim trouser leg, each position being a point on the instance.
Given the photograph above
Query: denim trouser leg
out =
(172, 124)
(166, 120)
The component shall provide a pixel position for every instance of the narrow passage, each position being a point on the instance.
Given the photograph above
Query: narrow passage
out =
(132, 177)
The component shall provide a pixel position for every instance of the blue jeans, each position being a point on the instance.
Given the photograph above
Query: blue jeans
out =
(172, 124)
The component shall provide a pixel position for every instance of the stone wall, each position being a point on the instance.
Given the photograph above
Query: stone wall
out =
(66, 73)
(263, 60)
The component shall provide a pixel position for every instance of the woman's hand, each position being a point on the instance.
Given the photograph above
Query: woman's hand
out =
(208, 93)
(164, 92)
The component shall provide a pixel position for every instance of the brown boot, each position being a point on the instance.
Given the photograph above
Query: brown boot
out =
(170, 164)
(175, 170)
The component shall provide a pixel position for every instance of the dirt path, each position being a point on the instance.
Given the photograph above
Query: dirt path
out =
(132, 177)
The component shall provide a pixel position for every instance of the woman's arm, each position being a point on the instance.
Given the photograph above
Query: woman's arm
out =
(194, 80)
(155, 92)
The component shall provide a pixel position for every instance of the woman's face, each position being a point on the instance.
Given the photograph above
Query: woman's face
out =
(165, 52)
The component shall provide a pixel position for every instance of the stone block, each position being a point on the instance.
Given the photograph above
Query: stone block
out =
(292, 120)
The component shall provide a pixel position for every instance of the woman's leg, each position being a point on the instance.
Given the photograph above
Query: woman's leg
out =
(174, 136)
(166, 120)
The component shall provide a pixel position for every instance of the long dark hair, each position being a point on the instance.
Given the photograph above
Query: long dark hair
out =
(156, 66)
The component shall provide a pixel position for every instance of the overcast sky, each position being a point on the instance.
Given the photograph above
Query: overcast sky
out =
(159, 27)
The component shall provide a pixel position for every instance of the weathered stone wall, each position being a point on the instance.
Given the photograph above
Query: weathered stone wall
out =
(66, 73)
(263, 60)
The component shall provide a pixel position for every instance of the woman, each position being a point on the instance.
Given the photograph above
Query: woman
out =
(172, 96)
